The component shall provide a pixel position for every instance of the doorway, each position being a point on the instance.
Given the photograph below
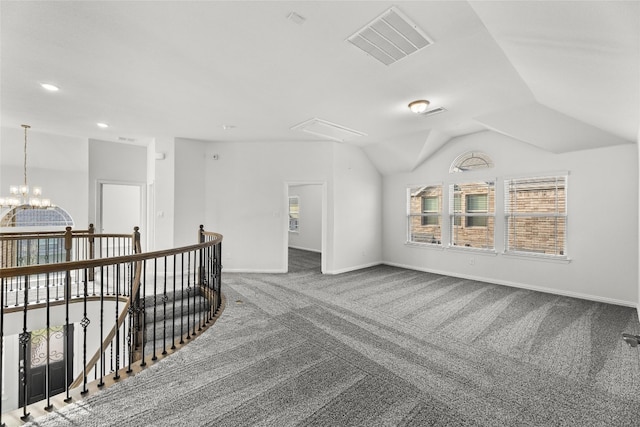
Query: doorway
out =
(305, 242)
(46, 369)
(121, 207)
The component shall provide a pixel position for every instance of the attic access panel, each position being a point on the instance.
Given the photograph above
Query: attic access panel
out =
(390, 37)
(328, 130)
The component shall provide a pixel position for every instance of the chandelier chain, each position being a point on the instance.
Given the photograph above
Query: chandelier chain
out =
(25, 153)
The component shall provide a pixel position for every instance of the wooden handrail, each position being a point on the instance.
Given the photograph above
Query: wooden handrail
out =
(93, 263)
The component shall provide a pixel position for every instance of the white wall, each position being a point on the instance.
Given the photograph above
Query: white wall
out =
(114, 163)
(602, 225)
(246, 198)
(163, 192)
(58, 164)
(246, 202)
(190, 193)
(357, 223)
(309, 234)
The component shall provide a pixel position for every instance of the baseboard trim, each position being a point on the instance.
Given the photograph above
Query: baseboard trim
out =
(522, 286)
(354, 268)
(250, 270)
(306, 249)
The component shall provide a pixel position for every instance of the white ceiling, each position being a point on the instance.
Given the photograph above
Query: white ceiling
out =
(562, 76)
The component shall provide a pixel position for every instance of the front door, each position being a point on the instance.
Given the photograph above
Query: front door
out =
(34, 363)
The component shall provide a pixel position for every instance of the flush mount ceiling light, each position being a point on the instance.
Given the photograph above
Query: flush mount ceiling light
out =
(102, 125)
(419, 106)
(50, 87)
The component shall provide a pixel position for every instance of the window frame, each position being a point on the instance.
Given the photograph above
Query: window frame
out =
(561, 254)
(296, 220)
(459, 213)
(476, 211)
(436, 236)
(430, 213)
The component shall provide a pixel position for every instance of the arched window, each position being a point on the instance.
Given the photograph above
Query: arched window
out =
(27, 216)
(470, 161)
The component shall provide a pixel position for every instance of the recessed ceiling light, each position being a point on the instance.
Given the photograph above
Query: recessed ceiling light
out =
(50, 87)
(228, 127)
(102, 125)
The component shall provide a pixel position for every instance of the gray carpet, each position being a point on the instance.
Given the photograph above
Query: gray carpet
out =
(385, 347)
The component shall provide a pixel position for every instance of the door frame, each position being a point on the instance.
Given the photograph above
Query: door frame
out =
(143, 204)
(324, 231)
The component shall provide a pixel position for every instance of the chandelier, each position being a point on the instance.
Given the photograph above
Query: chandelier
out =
(20, 194)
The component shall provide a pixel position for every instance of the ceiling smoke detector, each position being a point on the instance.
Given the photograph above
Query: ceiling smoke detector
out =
(390, 37)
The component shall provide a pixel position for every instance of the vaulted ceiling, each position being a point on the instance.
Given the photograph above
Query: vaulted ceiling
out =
(562, 76)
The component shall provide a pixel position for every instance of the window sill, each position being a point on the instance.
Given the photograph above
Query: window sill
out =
(425, 245)
(534, 257)
(479, 251)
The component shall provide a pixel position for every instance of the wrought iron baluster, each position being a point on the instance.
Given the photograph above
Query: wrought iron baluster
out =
(188, 292)
(116, 345)
(155, 305)
(102, 349)
(173, 311)
(181, 297)
(143, 302)
(85, 323)
(195, 291)
(49, 406)
(164, 310)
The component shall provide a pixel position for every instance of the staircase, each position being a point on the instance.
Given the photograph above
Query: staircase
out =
(175, 320)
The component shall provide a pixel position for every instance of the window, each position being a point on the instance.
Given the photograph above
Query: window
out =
(25, 216)
(430, 206)
(471, 161)
(424, 214)
(472, 214)
(477, 203)
(294, 213)
(536, 216)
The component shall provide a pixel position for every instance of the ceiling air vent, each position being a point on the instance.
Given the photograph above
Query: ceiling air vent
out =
(390, 37)
(325, 129)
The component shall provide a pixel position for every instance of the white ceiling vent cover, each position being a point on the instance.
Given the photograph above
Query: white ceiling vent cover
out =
(434, 111)
(325, 129)
(390, 37)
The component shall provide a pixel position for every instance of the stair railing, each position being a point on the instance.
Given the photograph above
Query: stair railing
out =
(123, 309)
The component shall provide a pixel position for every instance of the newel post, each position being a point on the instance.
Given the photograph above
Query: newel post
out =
(92, 249)
(136, 240)
(201, 268)
(68, 243)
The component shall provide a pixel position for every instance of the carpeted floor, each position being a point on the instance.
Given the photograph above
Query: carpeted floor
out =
(385, 347)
